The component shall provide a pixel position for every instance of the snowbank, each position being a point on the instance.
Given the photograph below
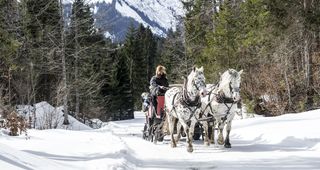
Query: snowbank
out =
(49, 117)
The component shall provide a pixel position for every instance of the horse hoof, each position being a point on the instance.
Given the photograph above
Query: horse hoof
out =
(173, 145)
(190, 149)
(176, 140)
(227, 145)
(220, 142)
(206, 143)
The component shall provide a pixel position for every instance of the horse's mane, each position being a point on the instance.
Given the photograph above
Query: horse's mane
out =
(230, 74)
(186, 98)
(233, 73)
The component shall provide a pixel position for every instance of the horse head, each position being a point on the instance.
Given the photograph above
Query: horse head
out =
(196, 84)
(145, 99)
(229, 84)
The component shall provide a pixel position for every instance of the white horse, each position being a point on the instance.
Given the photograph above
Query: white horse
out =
(183, 103)
(222, 103)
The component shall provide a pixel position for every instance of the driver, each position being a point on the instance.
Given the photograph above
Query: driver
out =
(158, 84)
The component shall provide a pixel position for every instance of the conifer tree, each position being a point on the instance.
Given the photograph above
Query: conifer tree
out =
(173, 56)
(222, 41)
(140, 58)
(9, 45)
(88, 50)
(198, 22)
(136, 62)
(122, 103)
(150, 53)
(42, 40)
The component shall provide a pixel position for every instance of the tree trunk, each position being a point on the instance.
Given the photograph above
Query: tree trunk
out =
(77, 66)
(64, 71)
(308, 60)
(287, 83)
(9, 86)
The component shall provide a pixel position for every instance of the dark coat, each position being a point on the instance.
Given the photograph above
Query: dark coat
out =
(155, 84)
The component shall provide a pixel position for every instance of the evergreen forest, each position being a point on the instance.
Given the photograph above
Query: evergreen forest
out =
(68, 62)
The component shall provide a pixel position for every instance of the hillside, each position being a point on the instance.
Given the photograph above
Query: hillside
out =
(114, 17)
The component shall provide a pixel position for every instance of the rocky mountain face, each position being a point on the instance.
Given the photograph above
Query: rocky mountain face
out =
(113, 17)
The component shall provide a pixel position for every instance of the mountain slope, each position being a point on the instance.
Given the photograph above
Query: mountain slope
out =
(113, 17)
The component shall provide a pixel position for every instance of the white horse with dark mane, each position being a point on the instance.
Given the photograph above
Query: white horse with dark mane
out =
(182, 104)
(222, 103)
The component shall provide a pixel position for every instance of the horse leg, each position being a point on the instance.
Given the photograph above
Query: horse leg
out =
(213, 127)
(189, 139)
(227, 143)
(155, 134)
(191, 133)
(179, 131)
(220, 135)
(171, 120)
(206, 134)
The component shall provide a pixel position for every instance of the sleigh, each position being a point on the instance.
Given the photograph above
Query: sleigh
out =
(155, 118)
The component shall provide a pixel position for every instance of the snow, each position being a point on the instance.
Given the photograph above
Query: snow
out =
(163, 12)
(48, 116)
(88, 1)
(127, 11)
(288, 142)
(108, 35)
(95, 9)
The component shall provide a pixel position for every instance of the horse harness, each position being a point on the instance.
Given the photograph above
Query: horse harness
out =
(221, 99)
(196, 104)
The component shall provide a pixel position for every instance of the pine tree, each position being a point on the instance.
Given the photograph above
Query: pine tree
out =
(198, 22)
(88, 50)
(136, 62)
(9, 45)
(150, 53)
(42, 45)
(173, 56)
(140, 68)
(122, 102)
(222, 42)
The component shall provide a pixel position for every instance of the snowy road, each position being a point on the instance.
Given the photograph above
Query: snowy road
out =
(251, 150)
(289, 142)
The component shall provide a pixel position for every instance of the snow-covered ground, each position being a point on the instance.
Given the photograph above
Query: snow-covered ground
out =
(288, 142)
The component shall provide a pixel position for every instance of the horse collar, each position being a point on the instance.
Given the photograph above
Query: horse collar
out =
(195, 103)
(223, 99)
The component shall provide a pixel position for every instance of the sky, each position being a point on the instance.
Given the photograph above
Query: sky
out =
(288, 142)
